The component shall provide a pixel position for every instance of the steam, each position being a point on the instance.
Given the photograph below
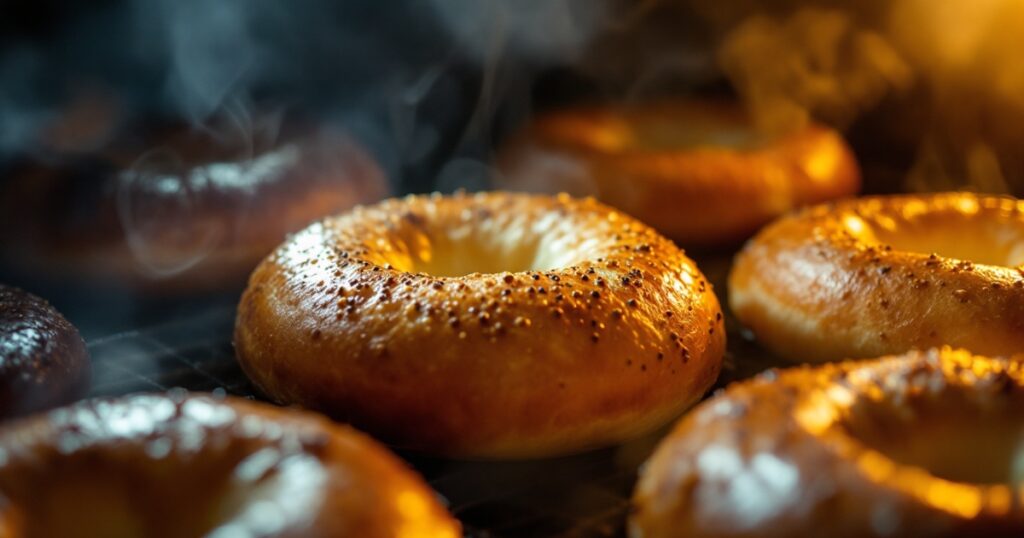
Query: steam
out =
(156, 192)
(952, 70)
(541, 30)
(510, 41)
(430, 85)
(426, 86)
(209, 47)
(814, 62)
(970, 54)
(421, 82)
(18, 67)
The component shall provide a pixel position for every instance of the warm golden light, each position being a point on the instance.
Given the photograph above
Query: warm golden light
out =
(417, 519)
(952, 70)
(821, 165)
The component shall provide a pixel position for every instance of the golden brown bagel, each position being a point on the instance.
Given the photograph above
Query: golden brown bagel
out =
(178, 465)
(923, 444)
(698, 171)
(43, 359)
(881, 275)
(182, 209)
(488, 325)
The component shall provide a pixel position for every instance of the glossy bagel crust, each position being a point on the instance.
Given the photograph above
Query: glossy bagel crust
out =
(180, 209)
(775, 456)
(174, 464)
(717, 183)
(826, 284)
(43, 359)
(616, 334)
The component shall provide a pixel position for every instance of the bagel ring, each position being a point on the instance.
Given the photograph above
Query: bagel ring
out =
(180, 209)
(698, 171)
(881, 275)
(923, 444)
(192, 465)
(487, 325)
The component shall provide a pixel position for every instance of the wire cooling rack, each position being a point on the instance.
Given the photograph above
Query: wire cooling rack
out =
(586, 495)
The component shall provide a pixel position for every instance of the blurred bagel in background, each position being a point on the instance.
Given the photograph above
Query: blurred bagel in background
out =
(181, 208)
(176, 464)
(698, 171)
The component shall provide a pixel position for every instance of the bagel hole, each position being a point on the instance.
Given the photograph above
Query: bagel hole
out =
(95, 495)
(677, 130)
(996, 242)
(662, 133)
(954, 437)
(493, 244)
(461, 258)
(99, 499)
(657, 127)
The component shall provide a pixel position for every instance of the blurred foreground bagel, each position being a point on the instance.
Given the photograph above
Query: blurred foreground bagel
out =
(923, 444)
(163, 466)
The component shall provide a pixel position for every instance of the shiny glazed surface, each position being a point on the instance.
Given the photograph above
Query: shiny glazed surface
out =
(43, 359)
(698, 171)
(490, 325)
(881, 275)
(180, 465)
(923, 444)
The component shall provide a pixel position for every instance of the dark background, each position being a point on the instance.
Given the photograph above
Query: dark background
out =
(428, 85)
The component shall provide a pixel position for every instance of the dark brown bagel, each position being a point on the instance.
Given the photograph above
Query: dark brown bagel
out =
(166, 466)
(43, 360)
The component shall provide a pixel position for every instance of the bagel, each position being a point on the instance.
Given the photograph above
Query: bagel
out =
(191, 465)
(43, 359)
(883, 275)
(489, 325)
(923, 444)
(179, 209)
(698, 171)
